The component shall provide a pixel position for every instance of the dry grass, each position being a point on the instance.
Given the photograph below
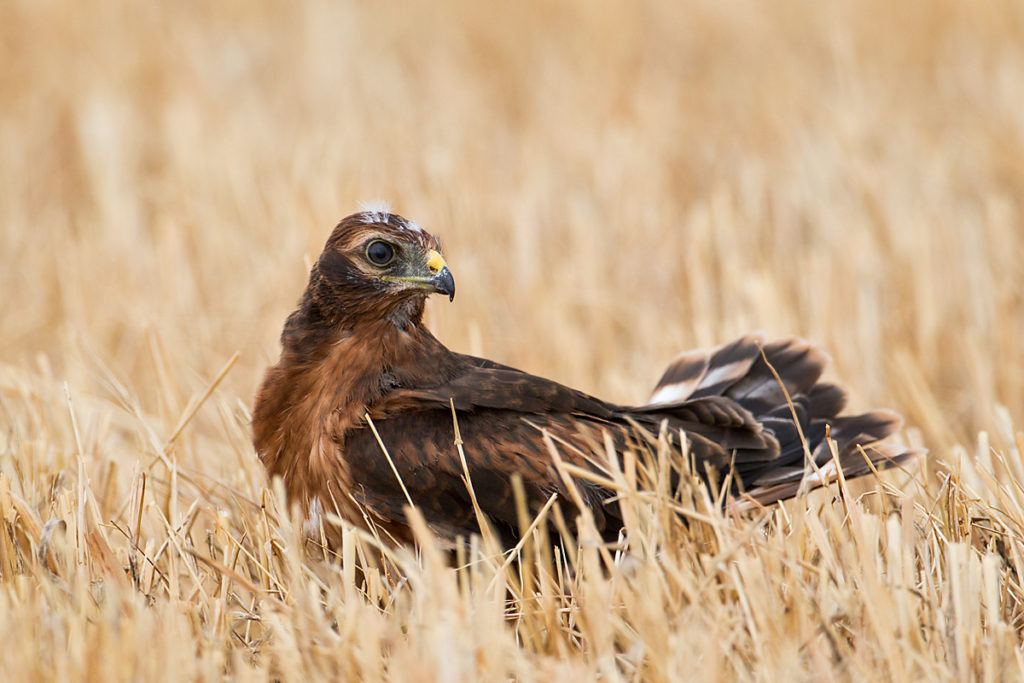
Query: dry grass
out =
(613, 184)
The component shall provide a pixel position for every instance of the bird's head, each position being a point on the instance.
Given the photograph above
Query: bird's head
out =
(378, 265)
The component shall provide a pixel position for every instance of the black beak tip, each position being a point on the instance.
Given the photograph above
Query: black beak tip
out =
(444, 283)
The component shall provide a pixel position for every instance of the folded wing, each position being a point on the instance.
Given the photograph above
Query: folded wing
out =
(751, 408)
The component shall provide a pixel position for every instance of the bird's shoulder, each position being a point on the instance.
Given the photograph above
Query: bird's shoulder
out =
(482, 384)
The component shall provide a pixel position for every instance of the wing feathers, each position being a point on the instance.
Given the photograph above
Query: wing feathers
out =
(682, 377)
(778, 384)
(499, 388)
(728, 402)
(707, 373)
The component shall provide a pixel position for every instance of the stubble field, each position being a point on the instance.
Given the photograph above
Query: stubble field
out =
(612, 184)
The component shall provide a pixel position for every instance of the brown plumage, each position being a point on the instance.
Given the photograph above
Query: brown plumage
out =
(357, 345)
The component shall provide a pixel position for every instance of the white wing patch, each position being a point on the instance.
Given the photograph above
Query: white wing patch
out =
(672, 393)
(724, 372)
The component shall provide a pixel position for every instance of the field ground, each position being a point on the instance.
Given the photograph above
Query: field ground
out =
(613, 184)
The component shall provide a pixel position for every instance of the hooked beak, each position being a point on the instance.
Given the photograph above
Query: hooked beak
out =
(439, 280)
(444, 283)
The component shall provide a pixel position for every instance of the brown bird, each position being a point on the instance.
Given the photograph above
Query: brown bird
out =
(754, 414)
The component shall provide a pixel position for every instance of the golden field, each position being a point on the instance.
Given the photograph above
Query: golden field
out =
(613, 183)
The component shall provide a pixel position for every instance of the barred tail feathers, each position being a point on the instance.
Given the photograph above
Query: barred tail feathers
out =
(779, 384)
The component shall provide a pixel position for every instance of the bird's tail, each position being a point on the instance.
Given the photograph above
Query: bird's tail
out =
(778, 383)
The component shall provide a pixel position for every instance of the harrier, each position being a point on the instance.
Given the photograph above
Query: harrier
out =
(358, 416)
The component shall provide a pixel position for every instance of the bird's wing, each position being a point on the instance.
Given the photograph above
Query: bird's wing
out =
(503, 415)
(484, 384)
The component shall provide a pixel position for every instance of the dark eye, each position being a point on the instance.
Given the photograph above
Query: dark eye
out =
(380, 253)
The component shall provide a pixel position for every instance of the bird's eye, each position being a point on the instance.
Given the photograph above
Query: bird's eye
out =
(380, 253)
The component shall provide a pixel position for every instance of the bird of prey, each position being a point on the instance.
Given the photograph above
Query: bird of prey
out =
(358, 417)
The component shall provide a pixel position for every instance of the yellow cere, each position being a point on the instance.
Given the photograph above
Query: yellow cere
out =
(435, 261)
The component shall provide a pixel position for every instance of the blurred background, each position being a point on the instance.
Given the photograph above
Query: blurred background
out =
(613, 182)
